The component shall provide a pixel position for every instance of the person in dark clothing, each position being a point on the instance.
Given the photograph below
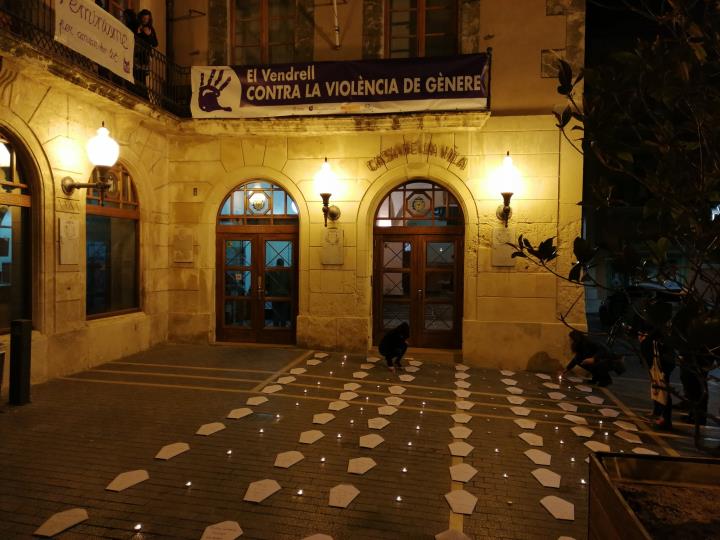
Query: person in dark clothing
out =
(661, 364)
(393, 345)
(593, 358)
(145, 41)
(145, 31)
(695, 388)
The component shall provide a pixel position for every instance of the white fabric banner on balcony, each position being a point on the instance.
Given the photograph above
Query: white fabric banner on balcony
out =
(91, 31)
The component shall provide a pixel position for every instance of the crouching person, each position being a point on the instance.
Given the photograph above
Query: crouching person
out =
(393, 346)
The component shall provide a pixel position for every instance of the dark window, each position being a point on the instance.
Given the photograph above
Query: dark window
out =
(112, 247)
(264, 31)
(15, 262)
(419, 203)
(420, 28)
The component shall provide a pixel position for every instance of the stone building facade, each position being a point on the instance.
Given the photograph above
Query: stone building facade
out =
(183, 170)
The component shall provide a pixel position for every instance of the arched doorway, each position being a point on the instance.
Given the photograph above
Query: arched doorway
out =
(418, 264)
(257, 260)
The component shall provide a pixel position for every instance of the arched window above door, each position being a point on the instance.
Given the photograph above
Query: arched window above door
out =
(419, 203)
(258, 203)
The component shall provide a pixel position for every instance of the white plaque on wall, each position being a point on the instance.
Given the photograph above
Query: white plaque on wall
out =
(501, 252)
(69, 239)
(332, 248)
(182, 246)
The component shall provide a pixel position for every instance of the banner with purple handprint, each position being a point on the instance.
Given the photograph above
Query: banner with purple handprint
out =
(352, 87)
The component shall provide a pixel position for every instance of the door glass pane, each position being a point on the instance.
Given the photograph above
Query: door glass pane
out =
(439, 284)
(396, 284)
(238, 283)
(278, 253)
(278, 314)
(278, 283)
(440, 253)
(439, 316)
(238, 253)
(278, 202)
(14, 264)
(396, 254)
(395, 314)
(237, 313)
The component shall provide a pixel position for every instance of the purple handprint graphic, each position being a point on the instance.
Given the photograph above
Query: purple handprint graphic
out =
(209, 93)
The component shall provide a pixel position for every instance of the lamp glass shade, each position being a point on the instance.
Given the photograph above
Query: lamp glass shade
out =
(325, 179)
(509, 177)
(4, 156)
(102, 149)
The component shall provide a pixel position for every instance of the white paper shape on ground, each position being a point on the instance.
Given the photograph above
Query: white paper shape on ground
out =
(225, 530)
(516, 400)
(412, 369)
(313, 362)
(632, 438)
(323, 418)
(208, 429)
(311, 437)
(644, 451)
(462, 472)
(416, 363)
(559, 508)
(461, 393)
(508, 382)
(360, 374)
(556, 395)
(394, 401)
(547, 478)
(627, 426)
(595, 400)
(237, 414)
(611, 413)
(378, 423)
(285, 460)
(574, 379)
(569, 407)
(127, 480)
(543, 376)
(514, 390)
(396, 390)
(61, 521)
(461, 502)
(360, 465)
(348, 396)
(257, 400)
(581, 431)
(338, 405)
(460, 432)
(352, 386)
(460, 449)
(461, 367)
(462, 384)
(597, 446)
(406, 378)
(367, 366)
(321, 355)
(538, 457)
(531, 439)
(373, 359)
(342, 495)
(464, 405)
(169, 451)
(520, 411)
(387, 410)
(507, 372)
(286, 380)
(258, 491)
(298, 370)
(318, 537)
(452, 534)
(271, 389)
(552, 385)
(524, 423)
(461, 418)
(461, 375)
(583, 388)
(575, 419)
(370, 441)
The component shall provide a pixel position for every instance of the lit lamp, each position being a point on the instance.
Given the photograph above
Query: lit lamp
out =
(508, 179)
(324, 182)
(103, 152)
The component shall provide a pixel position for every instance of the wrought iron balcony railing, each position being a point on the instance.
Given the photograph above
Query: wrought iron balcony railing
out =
(157, 80)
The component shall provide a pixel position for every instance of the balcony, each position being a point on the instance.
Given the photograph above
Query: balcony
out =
(158, 82)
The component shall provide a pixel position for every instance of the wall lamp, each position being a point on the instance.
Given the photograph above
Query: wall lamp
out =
(325, 181)
(103, 152)
(508, 177)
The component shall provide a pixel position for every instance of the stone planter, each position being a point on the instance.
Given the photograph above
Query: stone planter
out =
(639, 497)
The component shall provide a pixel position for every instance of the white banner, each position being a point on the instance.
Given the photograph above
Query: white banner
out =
(91, 31)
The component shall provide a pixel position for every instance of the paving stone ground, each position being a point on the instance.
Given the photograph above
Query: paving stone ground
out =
(81, 431)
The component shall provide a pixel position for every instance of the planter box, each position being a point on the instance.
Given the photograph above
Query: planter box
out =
(610, 515)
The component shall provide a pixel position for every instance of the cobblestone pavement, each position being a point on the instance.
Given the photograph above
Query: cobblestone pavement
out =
(80, 432)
